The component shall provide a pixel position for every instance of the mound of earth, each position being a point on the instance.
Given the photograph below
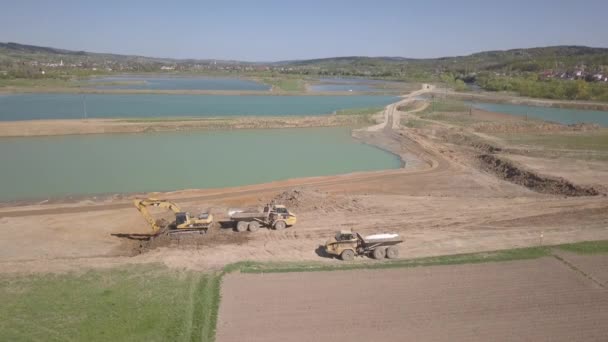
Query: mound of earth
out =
(311, 199)
(470, 141)
(532, 126)
(509, 171)
(213, 237)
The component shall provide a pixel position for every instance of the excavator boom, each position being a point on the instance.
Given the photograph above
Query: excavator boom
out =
(143, 204)
(183, 220)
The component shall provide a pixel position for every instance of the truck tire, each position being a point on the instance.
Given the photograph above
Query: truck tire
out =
(241, 226)
(347, 255)
(279, 225)
(253, 226)
(392, 252)
(379, 253)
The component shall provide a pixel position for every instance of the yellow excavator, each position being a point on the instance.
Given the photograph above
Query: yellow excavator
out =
(184, 222)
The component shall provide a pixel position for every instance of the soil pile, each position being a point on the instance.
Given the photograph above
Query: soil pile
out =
(548, 185)
(192, 240)
(314, 200)
(469, 141)
(532, 126)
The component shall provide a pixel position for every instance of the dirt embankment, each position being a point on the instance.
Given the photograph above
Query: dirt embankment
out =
(489, 161)
(185, 241)
(104, 126)
(470, 141)
(534, 126)
(494, 159)
(518, 100)
(511, 172)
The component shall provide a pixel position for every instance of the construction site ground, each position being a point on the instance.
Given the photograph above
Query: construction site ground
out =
(464, 188)
(545, 299)
(472, 181)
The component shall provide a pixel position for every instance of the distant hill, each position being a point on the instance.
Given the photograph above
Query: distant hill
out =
(22, 51)
(509, 61)
(518, 60)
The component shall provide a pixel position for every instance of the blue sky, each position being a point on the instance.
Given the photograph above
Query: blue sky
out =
(279, 30)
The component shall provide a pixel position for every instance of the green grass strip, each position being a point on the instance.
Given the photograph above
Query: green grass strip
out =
(205, 313)
(585, 247)
(471, 258)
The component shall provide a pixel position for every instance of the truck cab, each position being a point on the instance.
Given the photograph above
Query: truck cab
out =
(345, 244)
(276, 213)
(345, 235)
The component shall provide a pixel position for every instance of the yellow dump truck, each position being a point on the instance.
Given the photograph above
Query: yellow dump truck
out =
(346, 244)
(274, 216)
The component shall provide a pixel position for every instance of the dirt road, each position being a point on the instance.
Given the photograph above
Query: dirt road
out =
(391, 115)
(538, 300)
(441, 202)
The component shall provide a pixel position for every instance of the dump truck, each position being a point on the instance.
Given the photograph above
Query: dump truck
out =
(274, 216)
(184, 221)
(346, 244)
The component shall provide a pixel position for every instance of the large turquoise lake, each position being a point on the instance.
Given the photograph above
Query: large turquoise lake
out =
(76, 106)
(560, 115)
(41, 167)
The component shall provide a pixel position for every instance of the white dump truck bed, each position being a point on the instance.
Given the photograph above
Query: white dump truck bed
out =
(381, 236)
(384, 238)
(237, 214)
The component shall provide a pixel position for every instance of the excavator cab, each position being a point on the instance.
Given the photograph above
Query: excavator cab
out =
(181, 218)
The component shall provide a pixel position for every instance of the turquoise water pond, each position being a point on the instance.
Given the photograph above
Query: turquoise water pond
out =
(42, 167)
(76, 106)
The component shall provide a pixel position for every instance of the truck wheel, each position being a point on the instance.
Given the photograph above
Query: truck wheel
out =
(241, 226)
(253, 226)
(280, 225)
(392, 252)
(347, 255)
(379, 253)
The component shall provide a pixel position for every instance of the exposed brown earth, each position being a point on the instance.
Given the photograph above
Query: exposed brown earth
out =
(582, 172)
(514, 99)
(511, 172)
(594, 267)
(538, 300)
(442, 202)
(101, 126)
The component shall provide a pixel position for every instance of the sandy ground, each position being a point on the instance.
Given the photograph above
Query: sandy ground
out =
(441, 203)
(539, 300)
(27, 128)
(593, 267)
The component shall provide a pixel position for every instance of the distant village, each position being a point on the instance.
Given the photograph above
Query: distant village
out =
(44, 67)
(577, 74)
